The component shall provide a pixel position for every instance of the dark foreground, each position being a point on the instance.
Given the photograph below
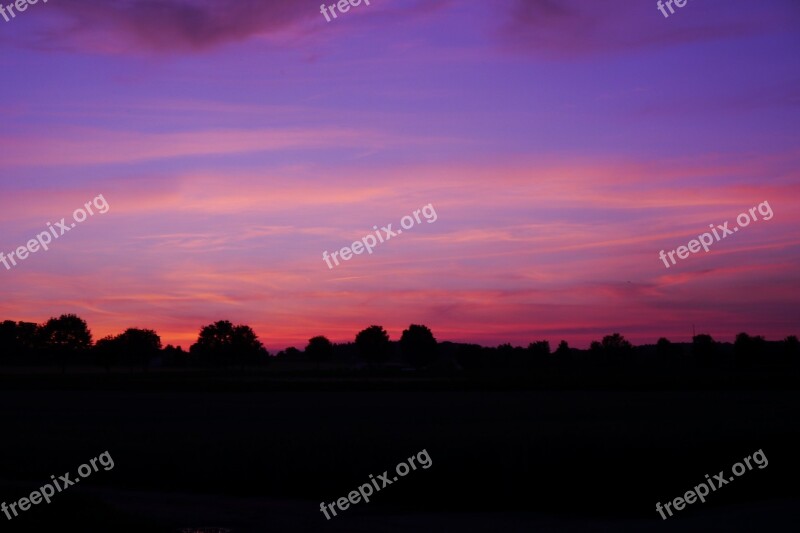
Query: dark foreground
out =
(502, 460)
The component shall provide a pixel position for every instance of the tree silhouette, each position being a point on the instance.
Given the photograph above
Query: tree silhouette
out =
(538, 355)
(539, 349)
(174, 356)
(667, 352)
(30, 336)
(373, 344)
(471, 357)
(703, 349)
(746, 348)
(509, 358)
(663, 347)
(138, 344)
(106, 352)
(614, 349)
(292, 353)
(68, 332)
(8, 339)
(223, 344)
(617, 348)
(791, 347)
(418, 345)
(66, 336)
(319, 349)
(246, 346)
(616, 343)
(563, 349)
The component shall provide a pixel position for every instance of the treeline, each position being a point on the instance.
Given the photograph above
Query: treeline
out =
(614, 355)
(67, 341)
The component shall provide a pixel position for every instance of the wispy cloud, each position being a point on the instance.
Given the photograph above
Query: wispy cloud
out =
(171, 27)
(576, 28)
(81, 146)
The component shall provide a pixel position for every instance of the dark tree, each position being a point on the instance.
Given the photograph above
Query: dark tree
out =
(472, 358)
(791, 347)
(538, 356)
(140, 345)
(539, 349)
(563, 349)
(703, 349)
(174, 357)
(319, 349)
(418, 345)
(663, 347)
(65, 337)
(246, 346)
(292, 353)
(214, 342)
(510, 359)
(30, 337)
(223, 344)
(8, 340)
(744, 349)
(67, 332)
(616, 344)
(373, 344)
(667, 353)
(106, 352)
(614, 349)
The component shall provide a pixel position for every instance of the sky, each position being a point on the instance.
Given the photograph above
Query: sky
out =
(562, 144)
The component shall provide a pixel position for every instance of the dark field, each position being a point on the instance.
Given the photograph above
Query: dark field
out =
(519, 460)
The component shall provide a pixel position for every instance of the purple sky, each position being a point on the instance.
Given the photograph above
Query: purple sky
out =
(563, 144)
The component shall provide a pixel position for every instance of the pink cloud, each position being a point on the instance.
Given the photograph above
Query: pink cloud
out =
(88, 146)
(582, 263)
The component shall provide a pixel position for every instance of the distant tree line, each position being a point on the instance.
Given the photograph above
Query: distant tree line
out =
(67, 341)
